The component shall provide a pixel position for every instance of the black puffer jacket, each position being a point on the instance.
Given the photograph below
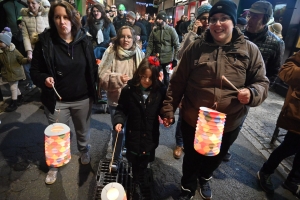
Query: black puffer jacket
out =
(42, 65)
(142, 126)
(272, 49)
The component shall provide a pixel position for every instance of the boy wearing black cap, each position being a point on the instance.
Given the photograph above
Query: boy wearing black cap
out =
(164, 43)
(197, 82)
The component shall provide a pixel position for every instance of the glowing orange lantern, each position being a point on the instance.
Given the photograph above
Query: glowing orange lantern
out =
(57, 144)
(209, 131)
(113, 191)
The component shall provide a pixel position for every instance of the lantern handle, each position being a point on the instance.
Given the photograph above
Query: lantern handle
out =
(56, 92)
(113, 154)
(227, 81)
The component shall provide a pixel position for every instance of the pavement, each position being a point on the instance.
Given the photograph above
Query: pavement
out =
(23, 168)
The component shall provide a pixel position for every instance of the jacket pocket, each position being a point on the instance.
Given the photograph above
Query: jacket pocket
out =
(293, 107)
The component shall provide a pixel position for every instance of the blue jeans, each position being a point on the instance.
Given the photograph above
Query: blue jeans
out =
(121, 136)
(290, 146)
(27, 72)
(178, 133)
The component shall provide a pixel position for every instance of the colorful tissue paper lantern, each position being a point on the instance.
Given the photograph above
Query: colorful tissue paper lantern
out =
(57, 145)
(113, 191)
(209, 131)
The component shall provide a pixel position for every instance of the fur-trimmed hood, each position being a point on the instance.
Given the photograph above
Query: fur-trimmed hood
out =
(42, 12)
(11, 48)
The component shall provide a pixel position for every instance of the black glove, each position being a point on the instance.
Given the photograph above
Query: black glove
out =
(174, 63)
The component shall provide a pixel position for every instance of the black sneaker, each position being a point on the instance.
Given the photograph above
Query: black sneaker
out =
(292, 187)
(227, 157)
(20, 99)
(265, 182)
(185, 194)
(12, 106)
(205, 190)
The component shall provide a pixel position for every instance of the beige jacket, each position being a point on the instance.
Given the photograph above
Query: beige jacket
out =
(33, 25)
(110, 70)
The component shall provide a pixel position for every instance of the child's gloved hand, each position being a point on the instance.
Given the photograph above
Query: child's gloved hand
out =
(118, 127)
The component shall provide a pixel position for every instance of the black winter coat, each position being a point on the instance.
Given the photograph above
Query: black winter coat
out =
(142, 126)
(42, 65)
(271, 48)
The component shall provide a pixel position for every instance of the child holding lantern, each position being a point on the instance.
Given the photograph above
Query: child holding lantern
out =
(139, 104)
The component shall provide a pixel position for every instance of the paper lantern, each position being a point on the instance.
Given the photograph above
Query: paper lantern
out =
(113, 191)
(209, 131)
(57, 145)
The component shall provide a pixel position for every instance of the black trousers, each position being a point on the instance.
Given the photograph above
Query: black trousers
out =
(290, 146)
(199, 166)
(166, 74)
(139, 163)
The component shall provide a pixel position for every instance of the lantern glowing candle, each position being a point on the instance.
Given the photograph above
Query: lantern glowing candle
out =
(209, 131)
(113, 191)
(57, 145)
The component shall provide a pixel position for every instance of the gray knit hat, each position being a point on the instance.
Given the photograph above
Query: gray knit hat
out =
(131, 15)
(5, 36)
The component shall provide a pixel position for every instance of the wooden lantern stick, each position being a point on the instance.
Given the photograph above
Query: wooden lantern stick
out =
(56, 92)
(224, 78)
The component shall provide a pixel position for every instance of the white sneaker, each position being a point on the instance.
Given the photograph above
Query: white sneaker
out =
(85, 158)
(51, 176)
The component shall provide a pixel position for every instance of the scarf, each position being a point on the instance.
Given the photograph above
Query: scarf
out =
(126, 54)
(98, 26)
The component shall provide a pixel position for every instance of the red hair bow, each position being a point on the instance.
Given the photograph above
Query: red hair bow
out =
(153, 60)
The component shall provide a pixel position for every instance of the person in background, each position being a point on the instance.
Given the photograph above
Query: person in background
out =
(197, 81)
(289, 119)
(9, 12)
(120, 19)
(117, 66)
(111, 15)
(270, 46)
(177, 27)
(114, 10)
(184, 26)
(241, 23)
(170, 22)
(11, 70)
(163, 42)
(85, 17)
(139, 28)
(200, 26)
(138, 106)
(276, 28)
(101, 28)
(34, 21)
(62, 54)
(146, 23)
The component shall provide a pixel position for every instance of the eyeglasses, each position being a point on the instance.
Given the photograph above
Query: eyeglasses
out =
(203, 19)
(222, 20)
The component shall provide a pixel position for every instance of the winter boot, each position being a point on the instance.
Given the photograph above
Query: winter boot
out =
(12, 106)
(20, 99)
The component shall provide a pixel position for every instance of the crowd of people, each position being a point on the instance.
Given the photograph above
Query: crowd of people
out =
(149, 69)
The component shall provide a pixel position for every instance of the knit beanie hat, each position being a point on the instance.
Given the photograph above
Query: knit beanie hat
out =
(46, 3)
(162, 15)
(122, 7)
(5, 36)
(131, 15)
(205, 8)
(225, 6)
